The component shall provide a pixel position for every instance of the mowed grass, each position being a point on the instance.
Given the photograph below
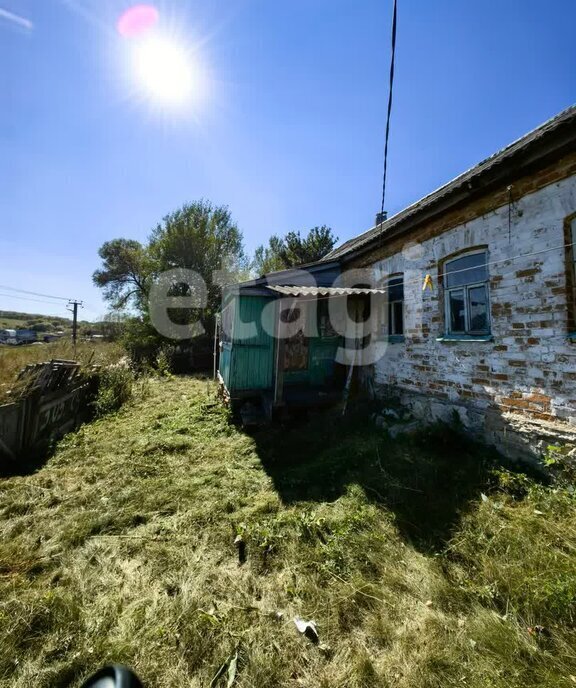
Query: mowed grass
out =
(121, 549)
(14, 358)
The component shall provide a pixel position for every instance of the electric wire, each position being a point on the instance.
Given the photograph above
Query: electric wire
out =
(419, 280)
(27, 298)
(405, 282)
(389, 111)
(33, 293)
(497, 262)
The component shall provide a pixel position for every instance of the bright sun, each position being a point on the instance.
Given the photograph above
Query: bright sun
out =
(163, 70)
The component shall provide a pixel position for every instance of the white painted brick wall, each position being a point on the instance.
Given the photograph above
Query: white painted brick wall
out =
(523, 308)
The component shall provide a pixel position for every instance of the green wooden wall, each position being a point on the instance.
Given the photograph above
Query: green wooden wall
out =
(247, 363)
(251, 361)
(321, 355)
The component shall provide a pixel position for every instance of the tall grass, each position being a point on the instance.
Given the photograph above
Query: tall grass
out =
(14, 358)
(421, 565)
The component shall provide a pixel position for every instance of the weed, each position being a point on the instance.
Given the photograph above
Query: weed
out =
(420, 564)
(14, 358)
(115, 386)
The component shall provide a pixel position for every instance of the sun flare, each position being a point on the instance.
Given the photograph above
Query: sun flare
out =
(163, 69)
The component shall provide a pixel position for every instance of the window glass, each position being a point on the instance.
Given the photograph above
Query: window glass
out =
(396, 318)
(457, 313)
(466, 270)
(395, 287)
(478, 302)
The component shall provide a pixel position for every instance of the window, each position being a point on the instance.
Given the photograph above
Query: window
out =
(466, 293)
(570, 237)
(572, 253)
(395, 319)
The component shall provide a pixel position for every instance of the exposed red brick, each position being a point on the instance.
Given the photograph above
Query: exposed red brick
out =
(516, 403)
(530, 272)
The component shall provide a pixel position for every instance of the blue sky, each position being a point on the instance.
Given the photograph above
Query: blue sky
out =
(289, 135)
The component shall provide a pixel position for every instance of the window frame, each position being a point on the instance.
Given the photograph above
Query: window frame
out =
(390, 312)
(465, 288)
(570, 274)
(572, 254)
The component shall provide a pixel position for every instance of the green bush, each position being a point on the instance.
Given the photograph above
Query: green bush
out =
(114, 388)
(141, 342)
(148, 350)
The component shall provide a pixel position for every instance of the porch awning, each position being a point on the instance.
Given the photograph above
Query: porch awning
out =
(323, 291)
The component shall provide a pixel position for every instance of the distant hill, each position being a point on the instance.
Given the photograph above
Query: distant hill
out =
(40, 323)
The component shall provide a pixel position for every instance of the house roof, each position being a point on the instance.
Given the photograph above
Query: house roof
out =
(294, 275)
(322, 273)
(549, 141)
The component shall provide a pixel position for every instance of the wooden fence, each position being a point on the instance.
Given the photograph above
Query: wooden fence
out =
(48, 400)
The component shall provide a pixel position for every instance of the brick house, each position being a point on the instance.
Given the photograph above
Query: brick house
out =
(481, 313)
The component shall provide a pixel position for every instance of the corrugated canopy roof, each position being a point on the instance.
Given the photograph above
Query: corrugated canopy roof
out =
(324, 291)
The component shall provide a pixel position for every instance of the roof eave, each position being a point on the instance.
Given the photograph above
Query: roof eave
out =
(476, 182)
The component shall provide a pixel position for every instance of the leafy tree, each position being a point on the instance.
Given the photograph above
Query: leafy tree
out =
(199, 237)
(269, 258)
(293, 250)
(112, 325)
(125, 273)
(40, 326)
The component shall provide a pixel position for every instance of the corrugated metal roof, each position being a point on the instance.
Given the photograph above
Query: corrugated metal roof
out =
(564, 121)
(323, 291)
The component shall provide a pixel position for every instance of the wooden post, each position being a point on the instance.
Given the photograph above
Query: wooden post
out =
(216, 337)
(358, 329)
(279, 360)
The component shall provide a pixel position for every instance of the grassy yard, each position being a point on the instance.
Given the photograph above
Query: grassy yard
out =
(14, 358)
(420, 565)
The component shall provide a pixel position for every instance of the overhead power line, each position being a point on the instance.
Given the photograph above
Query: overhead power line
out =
(33, 293)
(510, 273)
(27, 298)
(390, 89)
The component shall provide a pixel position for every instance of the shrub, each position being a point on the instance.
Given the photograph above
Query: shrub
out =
(141, 342)
(149, 350)
(114, 388)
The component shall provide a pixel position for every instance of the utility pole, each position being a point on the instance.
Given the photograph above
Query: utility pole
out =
(74, 311)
